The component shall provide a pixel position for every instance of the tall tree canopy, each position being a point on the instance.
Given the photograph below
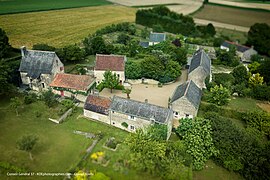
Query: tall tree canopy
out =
(259, 37)
(4, 44)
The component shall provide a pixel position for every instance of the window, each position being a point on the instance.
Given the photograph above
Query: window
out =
(176, 113)
(187, 115)
(112, 111)
(118, 75)
(132, 117)
(132, 128)
(43, 85)
(113, 123)
(61, 68)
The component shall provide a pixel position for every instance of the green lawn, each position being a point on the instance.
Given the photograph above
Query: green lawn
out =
(58, 149)
(214, 172)
(18, 6)
(242, 104)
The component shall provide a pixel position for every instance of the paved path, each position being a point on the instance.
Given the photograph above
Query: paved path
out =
(221, 25)
(242, 4)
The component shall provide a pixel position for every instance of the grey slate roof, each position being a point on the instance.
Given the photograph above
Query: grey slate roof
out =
(200, 58)
(144, 44)
(35, 62)
(191, 91)
(157, 37)
(239, 47)
(140, 109)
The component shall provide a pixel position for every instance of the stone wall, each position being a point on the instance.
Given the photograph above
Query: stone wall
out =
(99, 117)
(183, 106)
(198, 76)
(99, 75)
(118, 118)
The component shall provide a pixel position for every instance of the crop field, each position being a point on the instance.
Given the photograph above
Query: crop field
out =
(17, 6)
(61, 27)
(235, 16)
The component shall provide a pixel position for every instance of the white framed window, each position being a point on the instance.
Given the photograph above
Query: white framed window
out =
(132, 128)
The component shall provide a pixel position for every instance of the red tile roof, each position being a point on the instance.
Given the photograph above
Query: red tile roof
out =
(97, 104)
(110, 62)
(72, 81)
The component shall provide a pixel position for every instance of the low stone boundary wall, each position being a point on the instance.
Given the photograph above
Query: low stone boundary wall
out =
(141, 81)
(63, 117)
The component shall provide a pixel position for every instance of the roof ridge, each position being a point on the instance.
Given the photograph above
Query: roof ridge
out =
(187, 88)
(201, 57)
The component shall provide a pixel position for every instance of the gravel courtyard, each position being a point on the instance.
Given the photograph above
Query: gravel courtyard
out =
(155, 95)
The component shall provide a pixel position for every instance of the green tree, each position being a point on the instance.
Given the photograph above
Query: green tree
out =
(96, 45)
(127, 91)
(110, 80)
(27, 143)
(240, 74)
(15, 103)
(227, 80)
(144, 33)
(152, 67)
(73, 53)
(197, 136)
(172, 70)
(49, 98)
(4, 44)
(123, 38)
(253, 67)
(264, 70)
(43, 47)
(158, 28)
(219, 95)
(255, 79)
(133, 70)
(259, 37)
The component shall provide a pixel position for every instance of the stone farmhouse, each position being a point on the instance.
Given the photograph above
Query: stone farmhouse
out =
(38, 68)
(244, 52)
(186, 100)
(127, 114)
(156, 38)
(114, 63)
(70, 85)
(200, 68)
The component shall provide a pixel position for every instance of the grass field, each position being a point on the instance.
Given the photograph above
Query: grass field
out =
(234, 35)
(61, 27)
(58, 149)
(234, 16)
(18, 6)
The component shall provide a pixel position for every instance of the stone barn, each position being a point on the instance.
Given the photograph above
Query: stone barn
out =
(200, 68)
(186, 100)
(71, 85)
(130, 115)
(38, 68)
(96, 107)
(114, 63)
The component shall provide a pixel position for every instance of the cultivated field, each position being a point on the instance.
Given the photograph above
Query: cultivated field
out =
(233, 16)
(17, 6)
(244, 3)
(180, 6)
(61, 27)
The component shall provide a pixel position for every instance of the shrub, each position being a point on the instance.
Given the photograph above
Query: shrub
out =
(125, 124)
(100, 87)
(30, 98)
(67, 103)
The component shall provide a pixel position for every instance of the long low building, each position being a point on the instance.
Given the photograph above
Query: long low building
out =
(71, 85)
(127, 114)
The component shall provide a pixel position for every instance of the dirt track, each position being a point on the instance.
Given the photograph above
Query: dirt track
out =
(242, 4)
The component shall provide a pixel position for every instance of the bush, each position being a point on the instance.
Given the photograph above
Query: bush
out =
(67, 103)
(30, 98)
(120, 87)
(125, 124)
(100, 87)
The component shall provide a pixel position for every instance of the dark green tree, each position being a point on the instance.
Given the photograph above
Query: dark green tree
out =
(27, 143)
(43, 47)
(4, 44)
(73, 53)
(240, 74)
(49, 98)
(158, 28)
(133, 70)
(145, 33)
(152, 67)
(95, 45)
(264, 71)
(123, 38)
(259, 37)
(219, 95)
(110, 80)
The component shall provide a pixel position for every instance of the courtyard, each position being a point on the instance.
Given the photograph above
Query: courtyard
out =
(154, 94)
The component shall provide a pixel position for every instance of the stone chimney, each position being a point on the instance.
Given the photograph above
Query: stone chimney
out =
(23, 51)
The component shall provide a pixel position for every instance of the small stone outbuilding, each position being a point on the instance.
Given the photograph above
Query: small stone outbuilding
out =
(156, 38)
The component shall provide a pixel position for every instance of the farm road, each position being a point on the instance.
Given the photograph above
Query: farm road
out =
(221, 25)
(179, 6)
(242, 4)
